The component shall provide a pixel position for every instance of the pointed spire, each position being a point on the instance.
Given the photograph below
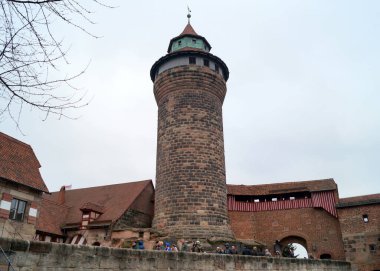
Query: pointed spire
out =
(188, 15)
(189, 30)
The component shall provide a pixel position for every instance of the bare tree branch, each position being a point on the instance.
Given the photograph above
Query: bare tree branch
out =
(30, 55)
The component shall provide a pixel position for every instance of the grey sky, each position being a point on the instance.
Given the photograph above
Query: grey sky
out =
(302, 102)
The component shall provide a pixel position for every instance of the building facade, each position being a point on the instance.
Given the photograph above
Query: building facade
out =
(21, 188)
(291, 212)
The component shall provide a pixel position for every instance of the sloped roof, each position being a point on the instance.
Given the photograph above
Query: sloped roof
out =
(51, 216)
(113, 200)
(189, 30)
(359, 200)
(281, 188)
(19, 164)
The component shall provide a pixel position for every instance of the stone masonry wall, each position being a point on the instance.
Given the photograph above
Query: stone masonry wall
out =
(313, 226)
(360, 238)
(191, 194)
(42, 256)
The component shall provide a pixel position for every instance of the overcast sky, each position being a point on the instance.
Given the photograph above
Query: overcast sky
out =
(303, 99)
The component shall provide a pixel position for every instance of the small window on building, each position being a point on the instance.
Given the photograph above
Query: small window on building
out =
(141, 234)
(372, 248)
(274, 199)
(325, 256)
(179, 42)
(206, 62)
(217, 68)
(191, 60)
(365, 218)
(194, 41)
(17, 209)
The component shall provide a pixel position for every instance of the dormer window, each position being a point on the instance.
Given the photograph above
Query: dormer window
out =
(90, 212)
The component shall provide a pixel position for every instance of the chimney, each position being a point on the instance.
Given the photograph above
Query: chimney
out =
(61, 195)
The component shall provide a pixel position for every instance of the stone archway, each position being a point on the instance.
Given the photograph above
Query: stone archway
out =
(298, 242)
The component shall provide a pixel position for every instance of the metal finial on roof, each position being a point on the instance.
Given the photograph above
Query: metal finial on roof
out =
(188, 14)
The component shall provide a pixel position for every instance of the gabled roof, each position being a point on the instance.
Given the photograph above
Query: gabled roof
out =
(19, 164)
(51, 216)
(359, 200)
(111, 200)
(282, 188)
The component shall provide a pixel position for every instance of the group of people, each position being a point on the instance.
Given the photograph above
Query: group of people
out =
(165, 246)
(195, 246)
(245, 251)
(287, 251)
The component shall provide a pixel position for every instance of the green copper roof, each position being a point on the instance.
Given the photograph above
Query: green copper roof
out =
(189, 40)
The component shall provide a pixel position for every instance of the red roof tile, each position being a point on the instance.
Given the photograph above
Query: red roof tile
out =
(281, 188)
(51, 217)
(358, 199)
(19, 164)
(189, 30)
(113, 199)
(89, 206)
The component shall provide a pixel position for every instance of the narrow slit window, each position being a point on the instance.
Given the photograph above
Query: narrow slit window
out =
(217, 68)
(365, 218)
(191, 60)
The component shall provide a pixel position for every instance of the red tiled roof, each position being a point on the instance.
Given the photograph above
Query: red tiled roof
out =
(189, 30)
(114, 199)
(89, 206)
(359, 199)
(19, 164)
(281, 188)
(51, 216)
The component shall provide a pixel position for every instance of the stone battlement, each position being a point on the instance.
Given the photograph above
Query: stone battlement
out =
(35, 255)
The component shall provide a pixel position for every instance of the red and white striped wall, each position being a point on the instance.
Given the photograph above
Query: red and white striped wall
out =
(324, 199)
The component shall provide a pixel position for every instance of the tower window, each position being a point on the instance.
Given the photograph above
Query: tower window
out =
(194, 41)
(17, 209)
(365, 218)
(372, 248)
(206, 62)
(216, 68)
(191, 60)
(179, 42)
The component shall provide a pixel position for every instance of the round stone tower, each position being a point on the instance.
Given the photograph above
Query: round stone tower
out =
(191, 193)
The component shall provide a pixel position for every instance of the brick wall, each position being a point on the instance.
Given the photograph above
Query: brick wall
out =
(358, 236)
(190, 192)
(49, 256)
(314, 228)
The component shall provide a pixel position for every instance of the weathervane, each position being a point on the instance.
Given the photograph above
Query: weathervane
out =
(188, 14)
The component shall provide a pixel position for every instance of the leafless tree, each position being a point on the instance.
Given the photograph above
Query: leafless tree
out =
(30, 55)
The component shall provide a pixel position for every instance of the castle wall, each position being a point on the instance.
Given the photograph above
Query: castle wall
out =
(313, 226)
(44, 256)
(360, 238)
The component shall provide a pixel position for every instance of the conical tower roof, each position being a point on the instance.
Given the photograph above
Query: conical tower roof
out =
(189, 40)
(189, 30)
